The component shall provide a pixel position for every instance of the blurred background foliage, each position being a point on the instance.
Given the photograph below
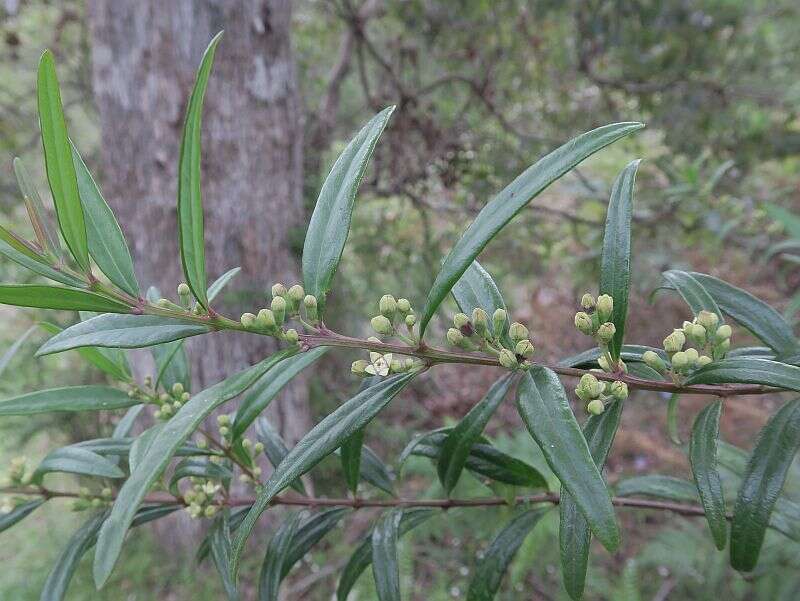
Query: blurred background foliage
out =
(483, 89)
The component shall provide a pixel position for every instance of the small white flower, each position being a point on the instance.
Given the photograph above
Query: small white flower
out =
(379, 364)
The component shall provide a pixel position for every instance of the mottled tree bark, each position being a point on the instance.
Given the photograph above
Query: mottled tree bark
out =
(144, 54)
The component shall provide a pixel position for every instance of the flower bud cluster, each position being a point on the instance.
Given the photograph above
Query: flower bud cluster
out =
(17, 472)
(393, 314)
(382, 364)
(170, 402)
(695, 344)
(201, 498)
(596, 393)
(594, 319)
(92, 500)
(473, 332)
(251, 451)
(285, 305)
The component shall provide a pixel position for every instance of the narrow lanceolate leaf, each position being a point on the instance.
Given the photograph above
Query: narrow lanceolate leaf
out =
(330, 222)
(107, 244)
(754, 314)
(762, 483)
(35, 265)
(350, 456)
(172, 364)
(503, 207)
(672, 419)
(58, 161)
(374, 471)
(703, 459)
(543, 406)
(70, 398)
(57, 583)
(476, 288)
(309, 533)
(361, 558)
(492, 567)
(459, 441)
(57, 297)
(747, 370)
(111, 361)
(191, 230)
(693, 292)
(321, 441)
(615, 262)
(55, 587)
(160, 452)
(219, 284)
(269, 580)
(45, 234)
(268, 386)
(656, 485)
(275, 448)
(19, 513)
(122, 331)
(385, 568)
(11, 351)
(574, 535)
(220, 546)
(75, 460)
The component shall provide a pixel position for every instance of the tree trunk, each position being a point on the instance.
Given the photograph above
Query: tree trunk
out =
(145, 53)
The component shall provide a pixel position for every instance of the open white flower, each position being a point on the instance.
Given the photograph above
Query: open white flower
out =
(379, 364)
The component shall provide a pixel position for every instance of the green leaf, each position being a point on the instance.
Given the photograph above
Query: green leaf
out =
(747, 370)
(269, 580)
(275, 448)
(70, 398)
(11, 351)
(19, 513)
(220, 546)
(693, 292)
(55, 587)
(191, 231)
(74, 460)
(762, 483)
(46, 236)
(492, 567)
(484, 460)
(57, 297)
(789, 220)
(58, 161)
(672, 419)
(361, 558)
(141, 445)
(268, 386)
(385, 568)
(217, 286)
(35, 265)
(459, 441)
(309, 533)
(172, 364)
(107, 244)
(655, 485)
(615, 262)
(503, 207)
(125, 424)
(574, 535)
(350, 456)
(754, 314)
(111, 361)
(543, 406)
(159, 454)
(374, 471)
(476, 288)
(122, 331)
(703, 459)
(321, 441)
(330, 222)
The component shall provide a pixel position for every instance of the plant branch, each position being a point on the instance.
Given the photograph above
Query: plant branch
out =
(359, 503)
